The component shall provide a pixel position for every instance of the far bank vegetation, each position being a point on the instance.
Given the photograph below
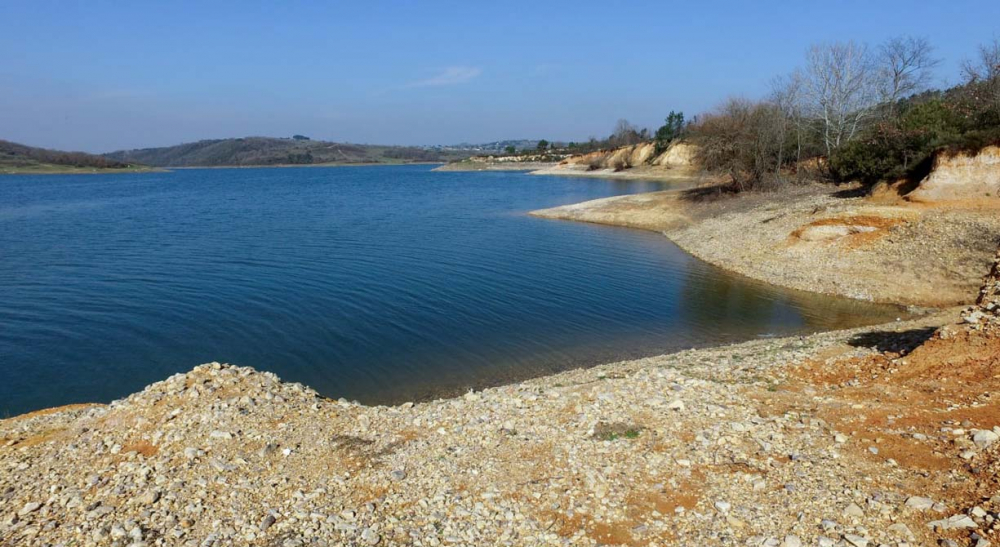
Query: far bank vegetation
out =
(263, 151)
(22, 158)
(851, 113)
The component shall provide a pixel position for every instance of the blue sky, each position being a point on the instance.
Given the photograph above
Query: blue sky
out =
(98, 76)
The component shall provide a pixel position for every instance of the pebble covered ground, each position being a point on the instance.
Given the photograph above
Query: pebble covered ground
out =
(876, 436)
(902, 253)
(699, 447)
(820, 238)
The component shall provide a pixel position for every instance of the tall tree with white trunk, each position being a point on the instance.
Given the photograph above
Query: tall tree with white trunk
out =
(841, 90)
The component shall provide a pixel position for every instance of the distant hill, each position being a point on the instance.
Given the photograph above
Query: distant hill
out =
(19, 158)
(299, 150)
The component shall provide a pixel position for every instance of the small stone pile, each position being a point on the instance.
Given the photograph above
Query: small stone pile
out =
(985, 314)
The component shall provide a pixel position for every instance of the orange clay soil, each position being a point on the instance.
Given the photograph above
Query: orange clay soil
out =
(899, 401)
(873, 227)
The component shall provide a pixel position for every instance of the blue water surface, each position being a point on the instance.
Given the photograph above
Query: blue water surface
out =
(381, 284)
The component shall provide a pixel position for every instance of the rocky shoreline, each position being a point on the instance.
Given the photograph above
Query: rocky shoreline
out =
(721, 446)
(882, 435)
(819, 238)
(682, 177)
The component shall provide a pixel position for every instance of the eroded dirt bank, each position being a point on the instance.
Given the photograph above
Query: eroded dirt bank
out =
(638, 161)
(820, 238)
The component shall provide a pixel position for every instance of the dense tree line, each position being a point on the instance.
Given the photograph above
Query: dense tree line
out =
(850, 113)
(862, 113)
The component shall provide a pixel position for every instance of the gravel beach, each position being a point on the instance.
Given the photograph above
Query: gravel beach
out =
(819, 238)
(723, 446)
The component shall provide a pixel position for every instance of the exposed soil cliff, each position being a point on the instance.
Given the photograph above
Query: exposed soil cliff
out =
(961, 176)
(635, 161)
(678, 155)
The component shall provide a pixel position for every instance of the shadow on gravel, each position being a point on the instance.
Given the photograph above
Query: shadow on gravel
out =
(363, 450)
(860, 191)
(708, 193)
(896, 342)
(848, 193)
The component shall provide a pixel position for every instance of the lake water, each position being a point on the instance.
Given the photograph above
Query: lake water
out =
(381, 284)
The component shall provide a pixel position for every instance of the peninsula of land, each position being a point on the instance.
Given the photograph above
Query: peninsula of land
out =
(920, 245)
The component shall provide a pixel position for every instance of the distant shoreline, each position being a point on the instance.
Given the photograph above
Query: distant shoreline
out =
(306, 165)
(561, 169)
(634, 173)
(473, 166)
(81, 171)
(88, 171)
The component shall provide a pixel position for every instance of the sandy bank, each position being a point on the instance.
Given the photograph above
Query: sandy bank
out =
(645, 172)
(494, 166)
(638, 161)
(656, 211)
(817, 238)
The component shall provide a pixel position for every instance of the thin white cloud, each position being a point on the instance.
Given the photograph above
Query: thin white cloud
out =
(450, 76)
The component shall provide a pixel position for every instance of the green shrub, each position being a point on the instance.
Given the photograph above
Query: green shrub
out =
(887, 153)
(669, 131)
(900, 148)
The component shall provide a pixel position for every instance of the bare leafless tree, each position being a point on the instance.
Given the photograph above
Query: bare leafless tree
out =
(787, 96)
(983, 74)
(625, 134)
(841, 90)
(986, 66)
(742, 138)
(905, 67)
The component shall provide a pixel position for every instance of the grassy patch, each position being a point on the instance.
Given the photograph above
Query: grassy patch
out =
(612, 432)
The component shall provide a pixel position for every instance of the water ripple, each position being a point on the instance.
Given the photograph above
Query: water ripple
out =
(382, 284)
